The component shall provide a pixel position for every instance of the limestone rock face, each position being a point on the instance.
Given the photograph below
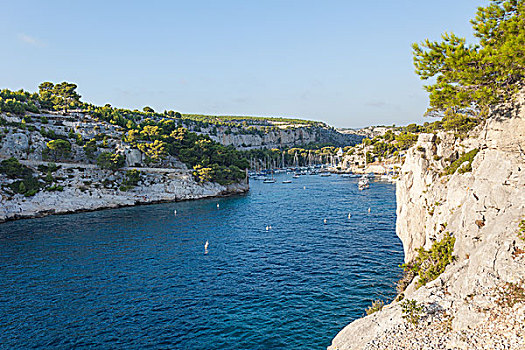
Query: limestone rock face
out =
(15, 145)
(284, 138)
(133, 157)
(482, 209)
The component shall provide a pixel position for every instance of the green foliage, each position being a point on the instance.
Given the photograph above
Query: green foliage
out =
(110, 161)
(131, 180)
(411, 311)
(521, 230)
(28, 186)
(90, 148)
(405, 140)
(55, 188)
(59, 96)
(154, 151)
(218, 173)
(461, 124)
(466, 157)
(17, 102)
(59, 148)
(377, 305)
(429, 264)
(14, 170)
(470, 78)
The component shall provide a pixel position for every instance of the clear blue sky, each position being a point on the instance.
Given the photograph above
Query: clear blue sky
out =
(348, 63)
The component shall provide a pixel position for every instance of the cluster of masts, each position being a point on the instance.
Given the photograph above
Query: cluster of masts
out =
(312, 160)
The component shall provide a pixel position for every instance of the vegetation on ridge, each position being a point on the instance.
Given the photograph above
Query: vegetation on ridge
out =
(158, 136)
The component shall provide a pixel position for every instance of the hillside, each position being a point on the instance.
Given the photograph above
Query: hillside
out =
(56, 148)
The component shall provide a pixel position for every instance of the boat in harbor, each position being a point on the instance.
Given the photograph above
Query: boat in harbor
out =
(325, 174)
(287, 181)
(363, 183)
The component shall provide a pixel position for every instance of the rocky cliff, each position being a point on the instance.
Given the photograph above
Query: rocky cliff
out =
(284, 137)
(478, 302)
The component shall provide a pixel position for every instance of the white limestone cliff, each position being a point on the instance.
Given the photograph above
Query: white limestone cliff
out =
(477, 303)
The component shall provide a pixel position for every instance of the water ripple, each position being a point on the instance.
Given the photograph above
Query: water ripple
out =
(138, 278)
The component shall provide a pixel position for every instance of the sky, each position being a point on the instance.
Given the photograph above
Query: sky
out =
(347, 63)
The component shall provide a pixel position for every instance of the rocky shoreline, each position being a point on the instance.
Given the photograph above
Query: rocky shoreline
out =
(74, 199)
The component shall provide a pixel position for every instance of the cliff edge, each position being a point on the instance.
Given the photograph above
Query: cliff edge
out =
(478, 302)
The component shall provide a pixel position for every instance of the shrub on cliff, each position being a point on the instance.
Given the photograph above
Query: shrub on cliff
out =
(59, 148)
(131, 180)
(111, 161)
(377, 305)
(521, 231)
(28, 186)
(465, 157)
(14, 170)
(220, 174)
(429, 264)
(412, 311)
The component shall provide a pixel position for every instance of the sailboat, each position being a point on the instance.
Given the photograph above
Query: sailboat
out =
(364, 182)
(269, 180)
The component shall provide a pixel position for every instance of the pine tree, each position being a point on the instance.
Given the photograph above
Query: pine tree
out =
(469, 79)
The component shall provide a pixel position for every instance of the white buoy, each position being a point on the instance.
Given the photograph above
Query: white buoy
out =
(270, 227)
(349, 215)
(217, 205)
(267, 228)
(174, 212)
(369, 210)
(304, 187)
(324, 221)
(206, 247)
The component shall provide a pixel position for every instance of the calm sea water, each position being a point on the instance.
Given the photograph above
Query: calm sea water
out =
(138, 278)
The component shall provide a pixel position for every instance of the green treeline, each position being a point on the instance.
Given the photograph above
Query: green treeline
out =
(156, 135)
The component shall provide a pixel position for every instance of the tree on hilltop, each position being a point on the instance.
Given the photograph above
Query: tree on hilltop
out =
(471, 78)
(59, 96)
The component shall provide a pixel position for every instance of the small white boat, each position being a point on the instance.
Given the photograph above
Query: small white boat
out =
(363, 183)
(325, 174)
(287, 181)
(269, 181)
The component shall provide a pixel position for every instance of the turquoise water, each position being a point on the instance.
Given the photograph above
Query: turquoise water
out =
(137, 278)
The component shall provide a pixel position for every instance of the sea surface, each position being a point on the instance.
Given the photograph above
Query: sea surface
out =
(275, 275)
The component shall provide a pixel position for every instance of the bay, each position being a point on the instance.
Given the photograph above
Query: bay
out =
(275, 276)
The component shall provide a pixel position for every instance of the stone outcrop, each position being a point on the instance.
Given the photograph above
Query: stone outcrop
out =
(478, 302)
